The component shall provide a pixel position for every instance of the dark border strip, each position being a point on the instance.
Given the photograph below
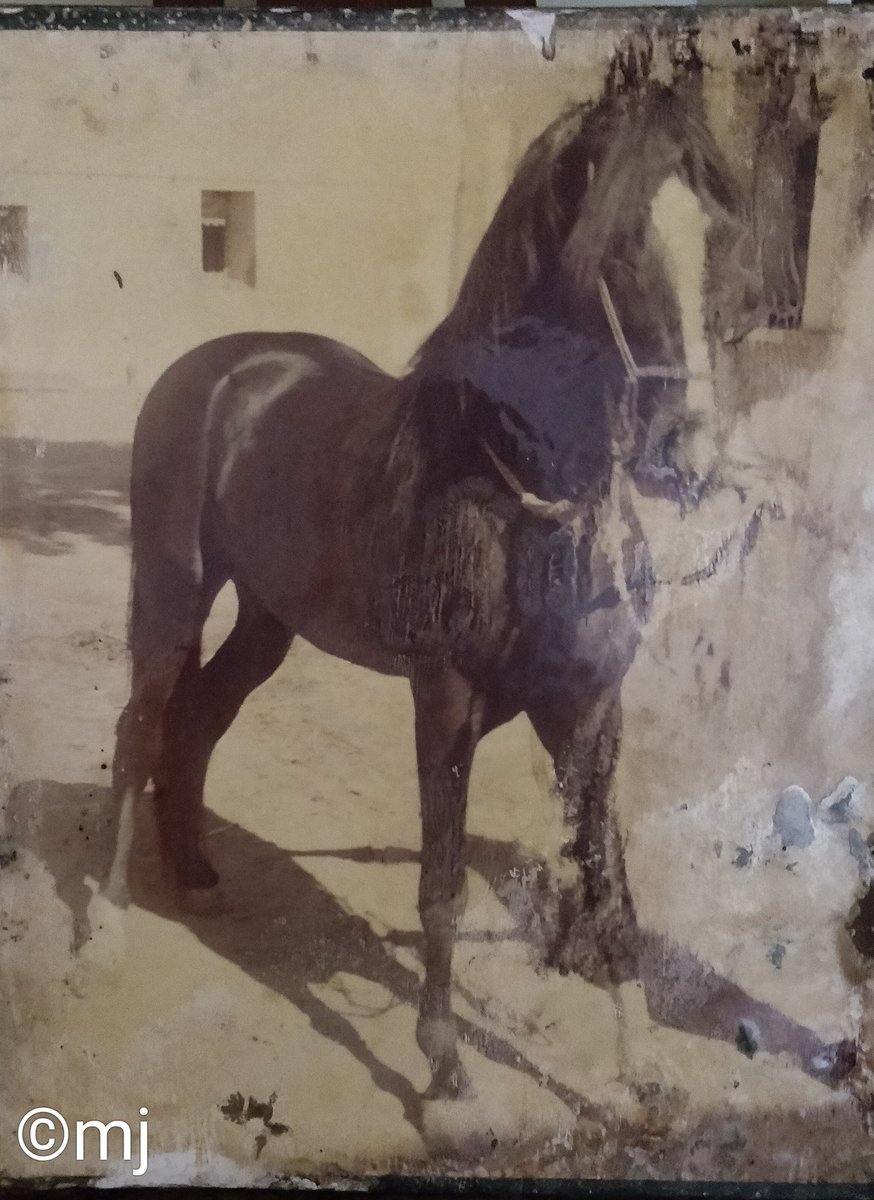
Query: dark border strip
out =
(424, 1188)
(604, 1189)
(438, 20)
(183, 20)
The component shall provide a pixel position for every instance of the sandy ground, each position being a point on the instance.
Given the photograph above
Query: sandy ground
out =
(277, 1038)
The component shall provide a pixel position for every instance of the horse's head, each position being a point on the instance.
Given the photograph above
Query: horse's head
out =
(660, 203)
(568, 337)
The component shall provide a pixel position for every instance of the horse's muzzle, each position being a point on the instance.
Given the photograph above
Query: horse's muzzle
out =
(668, 482)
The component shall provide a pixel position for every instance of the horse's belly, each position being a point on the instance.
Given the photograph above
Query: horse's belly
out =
(334, 633)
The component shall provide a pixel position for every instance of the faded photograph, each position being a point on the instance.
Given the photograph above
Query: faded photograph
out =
(437, 550)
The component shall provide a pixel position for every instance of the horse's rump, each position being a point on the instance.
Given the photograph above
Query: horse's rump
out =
(208, 469)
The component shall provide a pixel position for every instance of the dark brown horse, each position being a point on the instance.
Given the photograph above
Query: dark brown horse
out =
(469, 525)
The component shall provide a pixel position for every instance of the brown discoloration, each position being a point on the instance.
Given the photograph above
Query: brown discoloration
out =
(781, 75)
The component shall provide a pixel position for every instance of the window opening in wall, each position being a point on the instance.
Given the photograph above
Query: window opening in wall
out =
(13, 239)
(806, 156)
(227, 226)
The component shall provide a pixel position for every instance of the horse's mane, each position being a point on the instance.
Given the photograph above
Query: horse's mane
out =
(578, 208)
(531, 222)
(581, 190)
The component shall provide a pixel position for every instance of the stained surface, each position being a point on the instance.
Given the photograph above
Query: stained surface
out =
(277, 1034)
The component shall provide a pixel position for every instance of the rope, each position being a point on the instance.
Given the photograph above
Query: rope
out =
(562, 511)
(565, 511)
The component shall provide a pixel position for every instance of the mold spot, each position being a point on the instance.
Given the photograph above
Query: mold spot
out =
(862, 855)
(836, 805)
(861, 925)
(792, 823)
(747, 1039)
(240, 1112)
(776, 954)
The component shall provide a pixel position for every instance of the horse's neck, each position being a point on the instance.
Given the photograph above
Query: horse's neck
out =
(426, 441)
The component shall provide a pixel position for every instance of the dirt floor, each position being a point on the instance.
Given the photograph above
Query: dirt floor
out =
(276, 1038)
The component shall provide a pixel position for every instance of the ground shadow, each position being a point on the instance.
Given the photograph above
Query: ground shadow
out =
(682, 991)
(288, 932)
(53, 491)
(277, 923)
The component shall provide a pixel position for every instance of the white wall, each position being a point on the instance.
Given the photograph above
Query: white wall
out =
(376, 161)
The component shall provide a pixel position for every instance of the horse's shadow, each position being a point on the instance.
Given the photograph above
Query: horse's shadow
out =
(53, 492)
(288, 932)
(277, 922)
(682, 991)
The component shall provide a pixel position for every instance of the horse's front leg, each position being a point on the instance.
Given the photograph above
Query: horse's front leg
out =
(448, 726)
(597, 925)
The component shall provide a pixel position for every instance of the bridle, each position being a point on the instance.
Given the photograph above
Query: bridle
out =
(625, 422)
(567, 512)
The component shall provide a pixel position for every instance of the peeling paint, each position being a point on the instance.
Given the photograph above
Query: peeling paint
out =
(538, 27)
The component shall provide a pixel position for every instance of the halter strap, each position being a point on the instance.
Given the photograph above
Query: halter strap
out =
(632, 370)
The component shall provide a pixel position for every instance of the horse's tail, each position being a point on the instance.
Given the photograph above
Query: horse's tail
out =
(168, 486)
(169, 468)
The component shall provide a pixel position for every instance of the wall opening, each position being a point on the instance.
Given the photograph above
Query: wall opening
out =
(806, 157)
(227, 228)
(13, 239)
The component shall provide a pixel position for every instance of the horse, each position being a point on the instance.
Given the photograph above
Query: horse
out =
(469, 525)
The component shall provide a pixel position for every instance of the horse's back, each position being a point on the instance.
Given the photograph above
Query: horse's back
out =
(178, 404)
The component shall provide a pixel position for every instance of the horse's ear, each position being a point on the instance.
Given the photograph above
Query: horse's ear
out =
(628, 73)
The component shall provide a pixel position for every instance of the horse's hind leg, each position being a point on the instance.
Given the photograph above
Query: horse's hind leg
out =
(448, 725)
(136, 754)
(161, 642)
(202, 706)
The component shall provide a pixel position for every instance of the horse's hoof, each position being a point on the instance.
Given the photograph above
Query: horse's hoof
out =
(836, 1064)
(194, 873)
(450, 1082)
(203, 901)
(117, 892)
